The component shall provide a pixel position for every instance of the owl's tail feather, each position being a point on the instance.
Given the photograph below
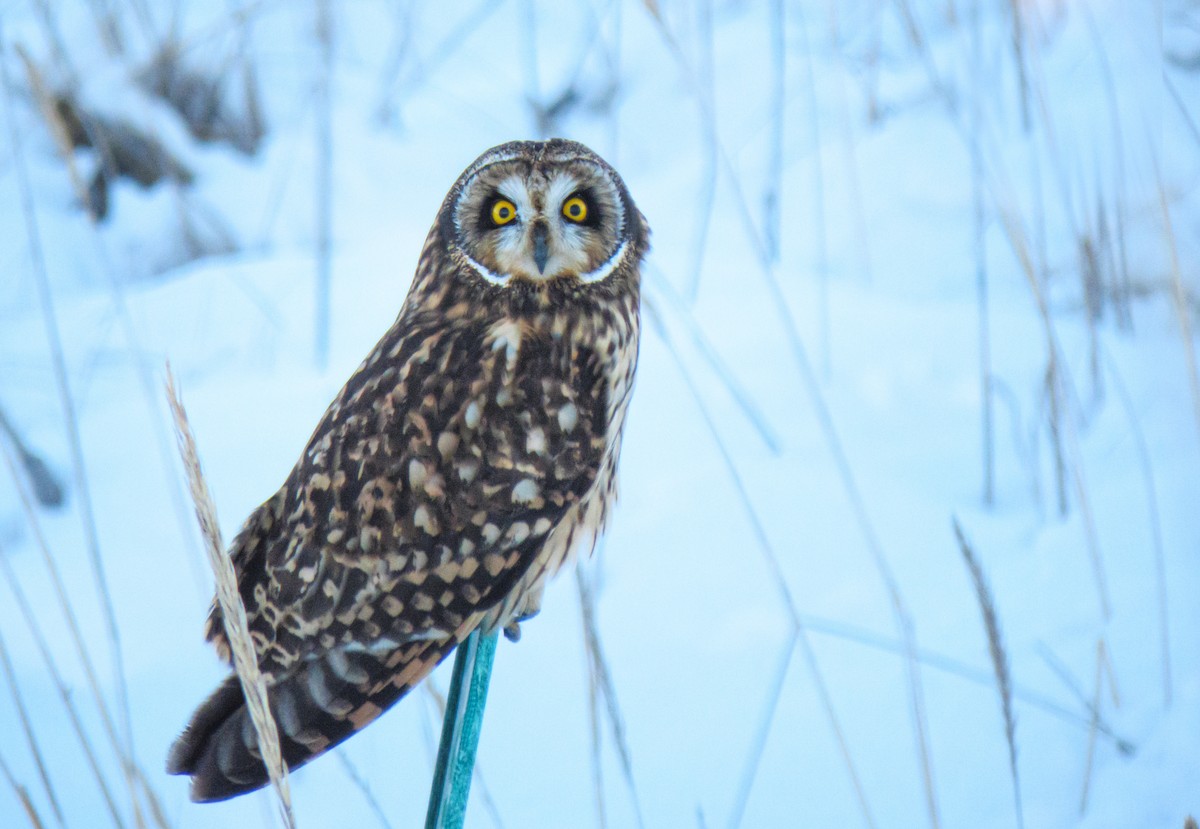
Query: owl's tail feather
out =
(317, 706)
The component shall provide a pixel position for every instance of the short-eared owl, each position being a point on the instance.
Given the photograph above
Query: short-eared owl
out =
(467, 458)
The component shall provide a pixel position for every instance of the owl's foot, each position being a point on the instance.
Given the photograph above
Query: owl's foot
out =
(512, 631)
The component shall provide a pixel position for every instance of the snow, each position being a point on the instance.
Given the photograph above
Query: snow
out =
(877, 248)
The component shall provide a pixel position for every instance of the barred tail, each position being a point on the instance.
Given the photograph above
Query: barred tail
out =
(317, 706)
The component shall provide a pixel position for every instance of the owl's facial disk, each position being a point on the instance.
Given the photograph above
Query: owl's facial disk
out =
(520, 221)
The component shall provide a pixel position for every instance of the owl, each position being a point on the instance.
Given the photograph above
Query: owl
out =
(470, 455)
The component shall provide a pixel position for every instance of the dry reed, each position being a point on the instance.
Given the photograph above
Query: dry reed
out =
(1155, 521)
(23, 797)
(991, 623)
(233, 612)
(601, 686)
(66, 402)
(324, 184)
(35, 749)
(795, 633)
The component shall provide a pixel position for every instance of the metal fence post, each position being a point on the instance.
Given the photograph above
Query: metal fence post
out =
(460, 732)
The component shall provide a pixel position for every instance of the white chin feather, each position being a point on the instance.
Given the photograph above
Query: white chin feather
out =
(488, 274)
(604, 271)
(598, 275)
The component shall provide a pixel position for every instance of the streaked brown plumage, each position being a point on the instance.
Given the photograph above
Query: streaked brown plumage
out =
(471, 453)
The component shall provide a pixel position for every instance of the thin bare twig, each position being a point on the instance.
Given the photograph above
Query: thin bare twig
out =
(901, 616)
(1160, 565)
(1179, 295)
(360, 783)
(707, 106)
(324, 183)
(795, 633)
(22, 795)
(66, 403)
(821, 241)
(954, 667)
(601, 686)
(773, 195)
(1091, 746)
(64, 693)
(987, 405)
(715, 364)
(1122, 288)
(1054, 389)
(1018, 47)
(45, 100)
(10, 677)
(128, 763)
(1060, 670)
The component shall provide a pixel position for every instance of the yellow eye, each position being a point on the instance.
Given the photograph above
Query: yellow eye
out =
(503, 212)
(575, 209)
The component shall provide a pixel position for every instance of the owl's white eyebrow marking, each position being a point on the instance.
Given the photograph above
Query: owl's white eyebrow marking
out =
(513, 188)
(604, 271)
(561, 186)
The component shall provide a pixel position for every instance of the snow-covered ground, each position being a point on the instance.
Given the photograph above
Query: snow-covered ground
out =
(865, 383)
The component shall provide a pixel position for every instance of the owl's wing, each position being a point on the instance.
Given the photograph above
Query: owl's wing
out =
(425, 493)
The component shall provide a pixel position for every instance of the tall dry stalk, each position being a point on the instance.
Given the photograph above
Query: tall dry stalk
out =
(991, 623)
(31, 813)
(957, 668)
(1017, 39)
(1183, 314)
(772, 196)
(1122, 288)
(58, 130)
(796, 633)
(602, 688)
(1102, 662)
(127, 763)
(10, 677)
(67, 405)
(987, 407)
(64, 692)
(707, 172)
(360, 783)
(324, 182)
(233, 612)
(821, 242)
(108, 24)
(720, 370)
(1160, 563)
(1062, 425)
(902, 619)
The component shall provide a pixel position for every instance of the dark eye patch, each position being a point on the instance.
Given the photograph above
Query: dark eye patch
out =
(485, 214)
(595, 214)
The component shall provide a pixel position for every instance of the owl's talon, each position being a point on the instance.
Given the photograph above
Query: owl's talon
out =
(512, 631)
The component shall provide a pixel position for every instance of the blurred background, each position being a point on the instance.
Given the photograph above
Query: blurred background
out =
(908, 528)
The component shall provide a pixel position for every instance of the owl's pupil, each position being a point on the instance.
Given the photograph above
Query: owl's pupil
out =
(503, 212)
(575, 210)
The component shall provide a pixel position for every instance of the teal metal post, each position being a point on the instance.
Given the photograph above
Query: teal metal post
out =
(460, 732)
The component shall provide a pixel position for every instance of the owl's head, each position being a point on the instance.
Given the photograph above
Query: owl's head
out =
(538, 212)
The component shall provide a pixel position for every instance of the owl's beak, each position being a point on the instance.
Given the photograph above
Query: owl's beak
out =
(541, 253)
